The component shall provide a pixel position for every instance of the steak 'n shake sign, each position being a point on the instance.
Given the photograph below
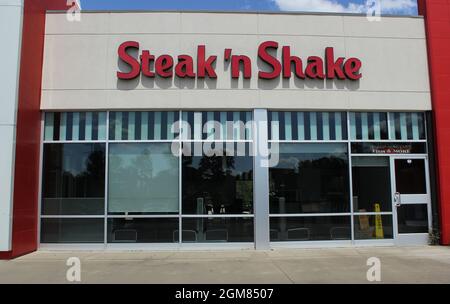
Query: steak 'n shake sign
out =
(185, 66)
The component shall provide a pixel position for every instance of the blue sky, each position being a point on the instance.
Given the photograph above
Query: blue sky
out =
(358, 6)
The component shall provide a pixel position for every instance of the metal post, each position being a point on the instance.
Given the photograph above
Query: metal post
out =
(261, 180)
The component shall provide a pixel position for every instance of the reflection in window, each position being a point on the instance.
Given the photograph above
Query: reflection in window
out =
(412, 218)
(310, 178)
(373, 227)
(217, 185)
(69, 230)
(216, 125)
(143, 179)
(410, 176)
(368, 126)
(313, 228)
(142, 125)
(407, 126)
(74, 126)
(371, 184)
(217, 230)
(73, 179)
(307, 125)
(142, 230)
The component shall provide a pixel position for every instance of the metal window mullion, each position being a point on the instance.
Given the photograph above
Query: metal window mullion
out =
(216, 140)
(425, 128)
(307, 141)
(180, 188)
(260, 181)
(142, 141)
(73, 141)
(218, 215)
(105, 215)
(392, 141)
(41, 164)
(143, 216)
(350, 175)
(396, 155)
(374, 213)
(309, 214)
(72, 216)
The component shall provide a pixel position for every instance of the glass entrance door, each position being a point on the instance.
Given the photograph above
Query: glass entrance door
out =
(411, 199)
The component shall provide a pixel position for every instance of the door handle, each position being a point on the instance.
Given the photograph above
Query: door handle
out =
(397, 199)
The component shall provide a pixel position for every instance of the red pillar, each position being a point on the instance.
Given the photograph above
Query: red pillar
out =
(437, 22)
(26, 172)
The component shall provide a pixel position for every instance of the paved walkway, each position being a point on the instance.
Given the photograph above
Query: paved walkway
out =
(337, 265)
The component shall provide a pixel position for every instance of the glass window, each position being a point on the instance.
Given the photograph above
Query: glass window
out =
(72, 230)
(216, 125)
(410, 176)
(412, 218)
(388, 148)
(407, 126)
(310, 178)
(307, 126)
(371, 184)
(143, 125)
(73, 179)
(217, 184)
(142, 230)
(373, 226)
(218, 230)
(193, 125)
(368, 126)
(315, 228)
(75, 126)
(143, 179)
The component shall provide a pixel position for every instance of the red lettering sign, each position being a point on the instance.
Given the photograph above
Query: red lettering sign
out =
(128, 59)
(269, 59)
(315, 67)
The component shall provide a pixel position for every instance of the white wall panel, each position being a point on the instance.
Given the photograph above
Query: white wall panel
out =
(387, 27)
(83, 56)
(10, 32)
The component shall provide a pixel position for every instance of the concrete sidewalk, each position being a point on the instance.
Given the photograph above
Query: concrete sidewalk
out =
(337, 265)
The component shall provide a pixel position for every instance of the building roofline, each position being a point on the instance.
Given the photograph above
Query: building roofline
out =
(300, 13)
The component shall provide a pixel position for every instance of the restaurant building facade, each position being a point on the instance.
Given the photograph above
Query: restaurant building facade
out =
(199, 130)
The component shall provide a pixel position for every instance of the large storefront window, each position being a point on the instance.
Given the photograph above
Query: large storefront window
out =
(143, 179)
(233, 229)
(310, 178)
(314, 228)
(372, 174)
(217, 178)
(371, 196)
(187, 177)
(371, 184)
(142, 230)
(72, 230)
(74, 179)
(217, 184)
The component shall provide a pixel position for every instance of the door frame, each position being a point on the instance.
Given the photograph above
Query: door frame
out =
(410, 239)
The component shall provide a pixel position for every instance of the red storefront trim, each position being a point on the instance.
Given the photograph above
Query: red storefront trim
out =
(437, 22)
(26, 174)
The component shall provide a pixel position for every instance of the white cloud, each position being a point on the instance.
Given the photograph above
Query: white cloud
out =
(387, 6)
